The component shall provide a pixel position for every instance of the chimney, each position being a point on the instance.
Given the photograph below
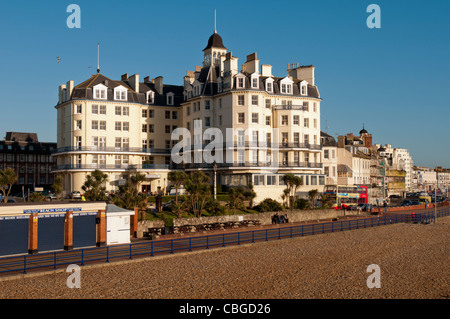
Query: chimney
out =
(158, 84)
(230, 65)
(69, 89)
(147, 79)
(124, 77)
(341, 141)
(266, 70)
(61, 90)
(134, 82)
(252, 64)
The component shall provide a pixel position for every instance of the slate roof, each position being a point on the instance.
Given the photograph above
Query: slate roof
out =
(84, 90)
(215, 41)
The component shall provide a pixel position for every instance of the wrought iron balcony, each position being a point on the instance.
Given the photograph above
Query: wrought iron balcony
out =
(111, 149)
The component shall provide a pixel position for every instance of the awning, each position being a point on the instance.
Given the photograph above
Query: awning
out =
(342, 168)
(152, 176)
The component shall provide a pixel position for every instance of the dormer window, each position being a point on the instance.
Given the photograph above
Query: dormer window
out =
(303, 88)
(120, 93)
(170, 97)
(255, 81)
(286, 86)
(240, 81)
(150, 96)
(219, 85)
(269, 85)
(100, 92)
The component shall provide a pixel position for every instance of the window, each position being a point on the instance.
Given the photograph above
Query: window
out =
(267, 120)
(118, 110)
(94, 125)
(296, 120)
(151, 143)
(255, 118)
(126, 142)
(118, 160)
(151, 128)
(103, 109)
(315, 107)
(255, 84)
(167, 114)
(94, 108)
(118, 143)
(326, 153)
(296, 138)
(103, 125)
(78, 109)
(78, 125)
(284, 138)
(167, 129)
(78, 141)
(306, 106)
(168, 144)
(102, 141)
(306, 139)
(100, 93)
(241, 118)
(315, 123)
(151, 114)
(220, 119)
(269, 86)
(271, 179)
(304, 90)
(126, 111)
(241, 100)
(170, 98)
(306, 122)
(174, 115)
(120, 94)
(150, 97)
(95, 142)
(267, 103)
(258, 180)
(126, 126)
(255, 100)
(240, 83)
(207, 121)
(284, 120)
(144, 113)
(118, 126)
(144, 128)
(207, 105)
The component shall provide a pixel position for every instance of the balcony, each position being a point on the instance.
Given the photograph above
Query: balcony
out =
(289, 107)
(281, 165)
(110, 150)
(107, 167)
(259, 144)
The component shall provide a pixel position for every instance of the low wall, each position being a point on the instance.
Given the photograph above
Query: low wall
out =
(143, 226)
(266, 218)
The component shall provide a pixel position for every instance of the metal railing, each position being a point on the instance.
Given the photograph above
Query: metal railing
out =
(111, 149)
(84, 256)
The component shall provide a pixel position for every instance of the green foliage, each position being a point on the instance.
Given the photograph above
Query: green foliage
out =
(269, 205)
(301, 203)
(177, 178)
(7, 178)
(293, 183)
(37, 197)
(128, 195)
(214, 208)
(197, 185)
(94, 187)
(58, 185)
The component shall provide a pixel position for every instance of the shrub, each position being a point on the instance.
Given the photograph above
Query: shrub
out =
(301, 203)
(268, 205)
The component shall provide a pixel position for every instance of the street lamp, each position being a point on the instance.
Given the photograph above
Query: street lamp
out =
(215, 183)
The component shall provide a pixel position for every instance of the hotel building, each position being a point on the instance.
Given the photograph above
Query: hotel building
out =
(123, 127)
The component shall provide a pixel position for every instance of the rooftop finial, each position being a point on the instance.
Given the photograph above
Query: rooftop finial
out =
(98, 58)
(215, 28)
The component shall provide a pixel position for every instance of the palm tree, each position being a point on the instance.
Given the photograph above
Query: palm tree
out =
(94, 186)
(198, 189)
(236, 198)
(7, 178)
(293, 183)
(58, 185)
(128, 196)
(312, 194)
(177, 178)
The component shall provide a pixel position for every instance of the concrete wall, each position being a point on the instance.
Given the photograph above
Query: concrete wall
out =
(264, 218)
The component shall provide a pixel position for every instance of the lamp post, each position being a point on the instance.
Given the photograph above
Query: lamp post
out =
(215, 183)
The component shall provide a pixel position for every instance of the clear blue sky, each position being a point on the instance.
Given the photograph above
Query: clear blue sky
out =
(395, 79)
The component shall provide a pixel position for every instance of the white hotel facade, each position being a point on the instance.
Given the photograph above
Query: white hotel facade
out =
(124, 127)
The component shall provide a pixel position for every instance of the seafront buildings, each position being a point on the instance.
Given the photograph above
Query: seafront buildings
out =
(126, 126)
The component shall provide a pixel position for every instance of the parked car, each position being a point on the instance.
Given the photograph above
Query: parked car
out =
(50, 195)
(406, 202)
(75, 195)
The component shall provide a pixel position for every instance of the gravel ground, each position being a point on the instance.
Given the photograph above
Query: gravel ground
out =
(413, 260)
